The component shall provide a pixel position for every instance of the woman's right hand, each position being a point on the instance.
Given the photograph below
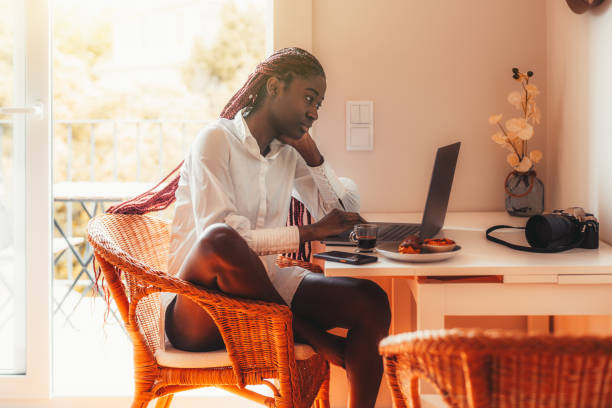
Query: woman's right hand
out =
(334, 223)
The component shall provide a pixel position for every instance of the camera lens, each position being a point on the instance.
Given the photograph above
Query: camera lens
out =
(550, 231)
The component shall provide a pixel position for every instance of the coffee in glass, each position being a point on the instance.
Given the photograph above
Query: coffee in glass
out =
(364, 235)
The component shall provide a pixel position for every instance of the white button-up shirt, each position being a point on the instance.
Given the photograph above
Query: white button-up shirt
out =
(225, 179)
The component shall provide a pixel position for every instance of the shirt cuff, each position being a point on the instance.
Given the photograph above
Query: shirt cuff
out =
(330, 187)
(274, 240)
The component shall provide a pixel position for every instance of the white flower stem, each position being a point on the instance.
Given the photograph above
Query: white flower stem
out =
(509, 141)
(524, 144)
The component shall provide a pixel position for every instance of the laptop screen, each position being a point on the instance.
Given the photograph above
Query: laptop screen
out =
(439, 190)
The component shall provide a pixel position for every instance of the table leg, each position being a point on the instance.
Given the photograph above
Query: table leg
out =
(430, 304)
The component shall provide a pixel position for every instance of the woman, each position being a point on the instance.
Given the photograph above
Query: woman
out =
(232, 199)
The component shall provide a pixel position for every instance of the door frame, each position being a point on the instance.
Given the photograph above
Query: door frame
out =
(32, 76)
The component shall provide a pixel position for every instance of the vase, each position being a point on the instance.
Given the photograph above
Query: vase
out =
(524, 194)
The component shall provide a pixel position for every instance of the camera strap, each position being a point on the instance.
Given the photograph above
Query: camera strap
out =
(526, 248)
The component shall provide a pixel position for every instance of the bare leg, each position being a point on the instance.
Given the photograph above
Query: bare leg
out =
(330, 346)
(221, 260)
(360, 306)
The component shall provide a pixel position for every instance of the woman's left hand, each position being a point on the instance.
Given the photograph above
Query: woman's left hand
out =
(306, 147)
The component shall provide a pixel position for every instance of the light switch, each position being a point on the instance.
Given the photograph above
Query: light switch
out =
(355, 113)
(360, 138)
(364, 113)
(359, 125)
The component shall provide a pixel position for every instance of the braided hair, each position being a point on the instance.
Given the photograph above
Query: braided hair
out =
(284, 64)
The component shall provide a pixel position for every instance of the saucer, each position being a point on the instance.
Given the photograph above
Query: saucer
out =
(389, 250)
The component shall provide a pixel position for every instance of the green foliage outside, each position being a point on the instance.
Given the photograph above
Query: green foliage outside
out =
(82, 49)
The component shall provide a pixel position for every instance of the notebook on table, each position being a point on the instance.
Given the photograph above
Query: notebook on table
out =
(435, 206)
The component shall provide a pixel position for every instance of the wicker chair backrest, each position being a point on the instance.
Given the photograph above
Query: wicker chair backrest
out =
(140, 243)
(477, 369)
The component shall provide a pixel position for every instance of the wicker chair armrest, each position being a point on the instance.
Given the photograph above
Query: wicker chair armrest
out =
(167, 283)
(209, 298)
(285, 261)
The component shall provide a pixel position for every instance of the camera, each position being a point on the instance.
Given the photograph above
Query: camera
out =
(572, 227)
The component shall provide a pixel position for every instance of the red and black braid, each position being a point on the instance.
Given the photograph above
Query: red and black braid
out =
(297, 210)
(284, 64)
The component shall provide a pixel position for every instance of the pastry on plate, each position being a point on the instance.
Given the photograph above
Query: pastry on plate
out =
(439, 244)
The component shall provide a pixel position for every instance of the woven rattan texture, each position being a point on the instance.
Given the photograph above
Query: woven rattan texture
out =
(132, 252)
(477, 369)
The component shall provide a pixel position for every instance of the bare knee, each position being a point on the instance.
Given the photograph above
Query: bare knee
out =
(373, 307)
(235, 268)
(221, 240)
(213, 254)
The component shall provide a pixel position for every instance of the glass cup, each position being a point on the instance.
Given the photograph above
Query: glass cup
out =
(364, 235)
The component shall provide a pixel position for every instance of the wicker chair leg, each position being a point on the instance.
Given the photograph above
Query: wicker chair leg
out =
(322, 399)
(253, 396)
(415, 396)
(140, 402)
(164, 402)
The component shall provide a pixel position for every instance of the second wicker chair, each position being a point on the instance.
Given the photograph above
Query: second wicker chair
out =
(479, 369)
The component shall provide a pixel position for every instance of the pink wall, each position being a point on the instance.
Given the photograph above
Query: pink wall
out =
(435, 70)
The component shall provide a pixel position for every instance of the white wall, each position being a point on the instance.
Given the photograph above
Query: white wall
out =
(580, 109)
(580, 124)
(435, 70)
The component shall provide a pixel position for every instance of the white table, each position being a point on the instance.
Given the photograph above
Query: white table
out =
(577, 282)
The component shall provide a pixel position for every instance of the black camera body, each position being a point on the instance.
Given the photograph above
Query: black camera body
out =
(569, 228)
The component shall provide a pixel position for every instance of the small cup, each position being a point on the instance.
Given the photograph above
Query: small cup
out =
(364, 235)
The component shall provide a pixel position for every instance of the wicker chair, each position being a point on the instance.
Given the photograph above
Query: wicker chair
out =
(472, 368)
(132, 252)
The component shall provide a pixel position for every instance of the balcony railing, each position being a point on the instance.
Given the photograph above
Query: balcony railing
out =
(105, 150)
(157, 132)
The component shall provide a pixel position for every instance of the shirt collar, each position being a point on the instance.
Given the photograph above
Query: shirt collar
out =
(246, 137)
(242, 130)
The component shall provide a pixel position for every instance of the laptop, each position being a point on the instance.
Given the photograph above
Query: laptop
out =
(435, 207)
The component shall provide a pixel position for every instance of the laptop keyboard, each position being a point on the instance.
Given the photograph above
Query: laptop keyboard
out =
(397, 232)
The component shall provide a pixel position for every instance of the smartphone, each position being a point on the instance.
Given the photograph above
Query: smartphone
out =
(346, 257)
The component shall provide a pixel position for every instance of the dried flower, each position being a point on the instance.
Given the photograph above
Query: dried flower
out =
(494, 119)
(512, 159)
(524, 166)
(515, 99)
(516, 124)
(535, 115)
(499, 138)
(514, 134)
(526, 132)
(535, 156)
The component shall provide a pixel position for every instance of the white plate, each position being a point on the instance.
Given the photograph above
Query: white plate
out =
(389, 250)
